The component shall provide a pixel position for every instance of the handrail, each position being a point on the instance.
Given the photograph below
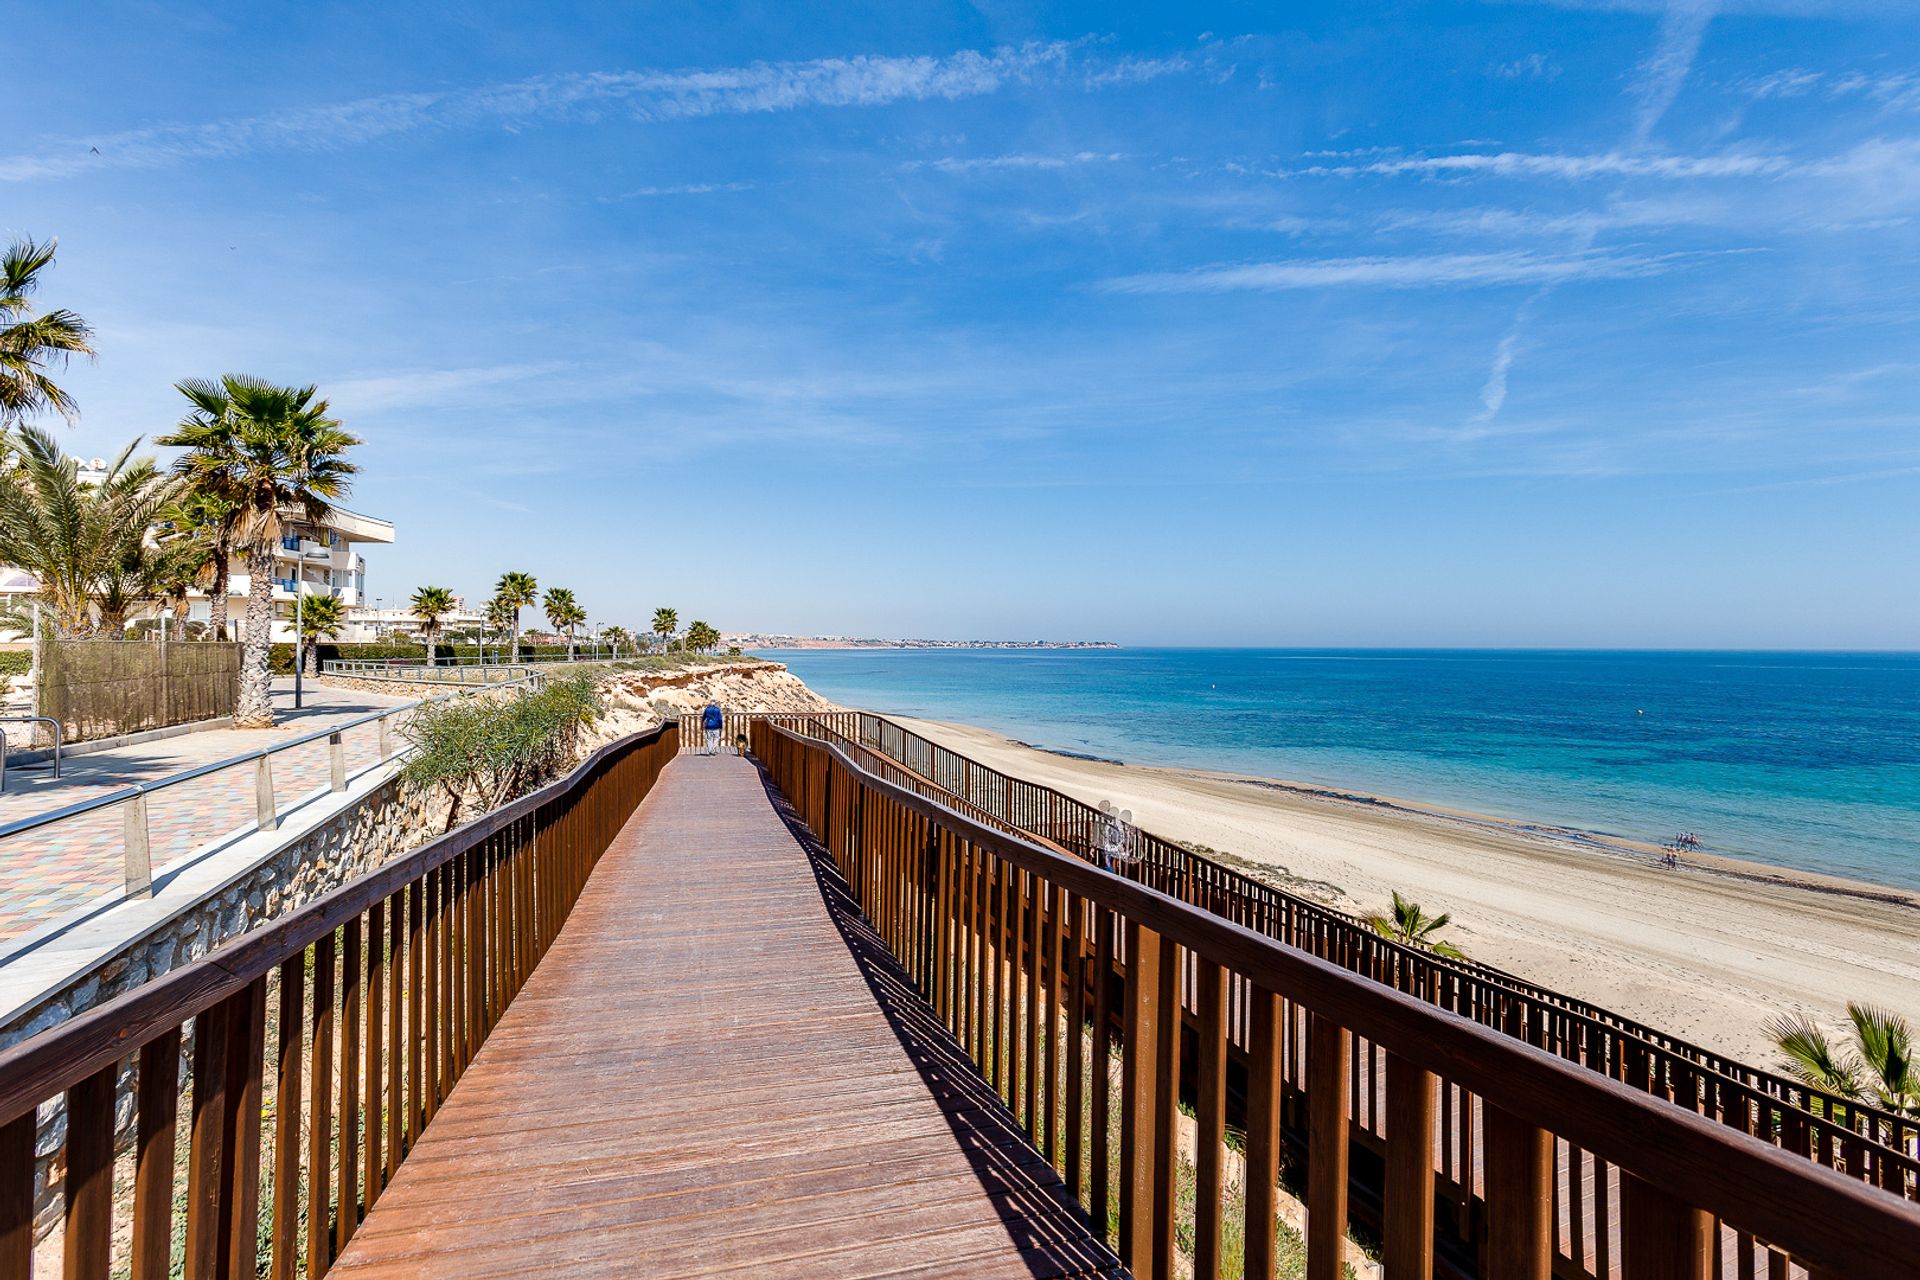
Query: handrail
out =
(136, 859)
(404, 970)
(421, 673)
(1545, 1015)
(49, 721)
(971, 910)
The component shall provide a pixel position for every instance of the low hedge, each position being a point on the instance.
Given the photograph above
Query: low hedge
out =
(379, 652)
(15, 662)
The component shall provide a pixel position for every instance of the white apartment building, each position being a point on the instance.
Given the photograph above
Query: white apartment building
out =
(315, 559)
(383, 624)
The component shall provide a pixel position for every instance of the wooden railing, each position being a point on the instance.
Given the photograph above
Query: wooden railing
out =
(1468, 1150)
(1867, 1142)
(319, 1048)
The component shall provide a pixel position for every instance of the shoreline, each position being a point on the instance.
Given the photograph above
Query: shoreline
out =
(1706, 951)
(1702, 860)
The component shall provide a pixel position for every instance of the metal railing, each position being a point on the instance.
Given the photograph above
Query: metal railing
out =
(136, 844)
(381, 993)
(49, 721)
(1869, 1143)
(407, 671)
(1468, 1150)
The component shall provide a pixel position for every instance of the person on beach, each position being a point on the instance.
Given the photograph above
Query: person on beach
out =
(711, 720)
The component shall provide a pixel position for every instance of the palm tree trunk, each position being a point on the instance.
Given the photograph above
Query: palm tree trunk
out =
(428, 637)
(516, 635)
(217, 598)
(255, 707)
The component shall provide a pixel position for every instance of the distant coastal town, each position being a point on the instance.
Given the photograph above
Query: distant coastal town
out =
(752, 640)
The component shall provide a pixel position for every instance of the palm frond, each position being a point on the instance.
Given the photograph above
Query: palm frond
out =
(1811, 1057)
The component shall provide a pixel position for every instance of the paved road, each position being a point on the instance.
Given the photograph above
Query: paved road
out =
(719, 1070)
(45, 874)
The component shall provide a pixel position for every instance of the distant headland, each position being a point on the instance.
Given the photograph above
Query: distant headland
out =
(758, 641)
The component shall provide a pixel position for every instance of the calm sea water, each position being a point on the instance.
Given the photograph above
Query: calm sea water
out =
(1808, 760)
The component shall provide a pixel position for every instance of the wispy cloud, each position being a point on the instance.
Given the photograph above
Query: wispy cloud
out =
(1895, 91)
(432, 388)
(971, 164)
(1568, 166)
(1888, 9)
(680, 189)
(1535, 66)
(644, 95)
(1683, 24)
(1428, 271)
(1657, 82)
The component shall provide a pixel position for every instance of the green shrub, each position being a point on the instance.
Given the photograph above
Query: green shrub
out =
(496, 748)
(15, 662)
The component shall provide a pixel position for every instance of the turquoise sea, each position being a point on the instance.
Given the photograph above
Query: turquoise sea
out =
(1808, 760)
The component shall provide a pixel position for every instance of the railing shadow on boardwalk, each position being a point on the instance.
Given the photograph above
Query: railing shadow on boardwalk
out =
(1048, 1226)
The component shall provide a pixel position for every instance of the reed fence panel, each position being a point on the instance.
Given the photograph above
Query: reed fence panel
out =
(105, 688)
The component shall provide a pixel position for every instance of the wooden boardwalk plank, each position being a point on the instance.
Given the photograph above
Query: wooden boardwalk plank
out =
(718, 1069)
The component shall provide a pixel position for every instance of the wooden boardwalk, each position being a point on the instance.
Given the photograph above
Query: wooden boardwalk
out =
(717, 1069)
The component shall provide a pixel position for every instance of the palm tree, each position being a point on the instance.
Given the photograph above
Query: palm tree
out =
(501, 616)
(564, 614)
(186, 551)
(430, 604)
(665, 623)
(31, 345)
(320, 618)
(1415, 928)
(210, 517)
(1877, 1068)
(516, 591)
(84, 543)
(273, 452)
(618, 637)
(702, 637)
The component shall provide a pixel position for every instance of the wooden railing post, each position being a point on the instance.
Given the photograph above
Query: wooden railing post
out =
(1519, 1191)
(1149, 1093)
(1409, 1208)
(1263, 1134)
(1210, 1113)
(1329, 1054)
(1662, 1238)
(157, 1102)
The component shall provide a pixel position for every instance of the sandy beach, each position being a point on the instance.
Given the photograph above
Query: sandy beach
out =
(1706, 951)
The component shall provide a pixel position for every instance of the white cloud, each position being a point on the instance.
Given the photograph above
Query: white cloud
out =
(1885, 9)
(1791, 82)
(431, 388)
(1683, 24)
(1410, 272)
(681, 189)
(642, 95)
(1535, 66)
(1568, 166)
(970, 164)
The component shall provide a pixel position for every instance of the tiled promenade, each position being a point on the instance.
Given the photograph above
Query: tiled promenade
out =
(45, 874)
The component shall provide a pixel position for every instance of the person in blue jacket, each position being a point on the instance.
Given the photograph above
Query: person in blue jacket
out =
(711, 720)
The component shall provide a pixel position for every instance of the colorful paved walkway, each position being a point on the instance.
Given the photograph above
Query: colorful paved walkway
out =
(718, 1070)
(45, 874)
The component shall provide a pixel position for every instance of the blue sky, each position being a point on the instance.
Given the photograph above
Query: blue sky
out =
(1484, 323)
